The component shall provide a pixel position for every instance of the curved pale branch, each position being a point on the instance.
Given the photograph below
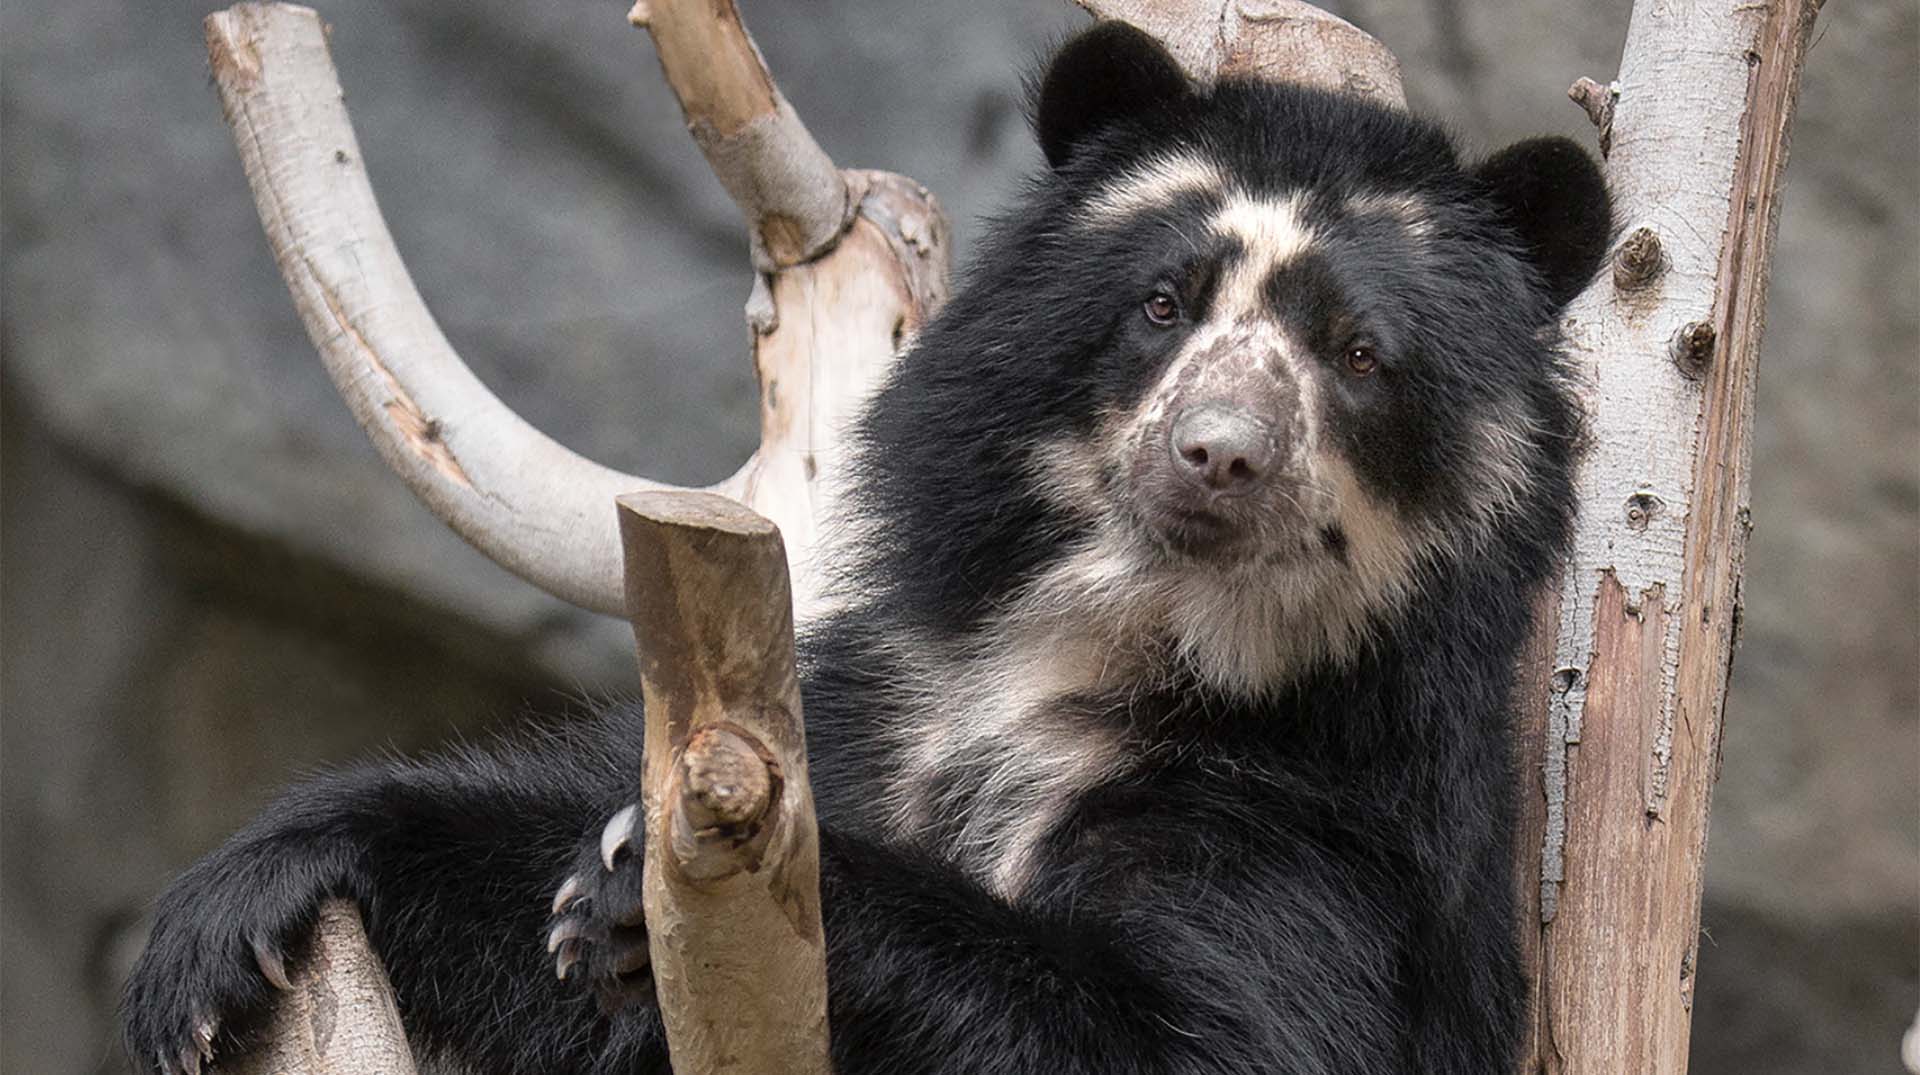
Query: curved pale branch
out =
(1278, 39)
(853, 263)
(536, 508)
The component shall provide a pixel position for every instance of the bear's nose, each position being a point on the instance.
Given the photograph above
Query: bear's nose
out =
(1223, 448)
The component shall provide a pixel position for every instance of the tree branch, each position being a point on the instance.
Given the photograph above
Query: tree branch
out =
(536, 508)
(339, 1018)
(732, 851)
(1286, 40)
(853, 295)
(794, 200)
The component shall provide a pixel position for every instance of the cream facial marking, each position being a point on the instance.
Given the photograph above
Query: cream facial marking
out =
(1271, 233)
(1153, 185)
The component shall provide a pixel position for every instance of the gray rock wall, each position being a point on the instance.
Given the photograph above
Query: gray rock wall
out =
(210, 583)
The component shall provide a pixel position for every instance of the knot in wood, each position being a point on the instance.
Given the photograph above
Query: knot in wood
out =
(1641, 508)
(1597, 101)
(1693, 348)
(725, 780)
(1639, 262)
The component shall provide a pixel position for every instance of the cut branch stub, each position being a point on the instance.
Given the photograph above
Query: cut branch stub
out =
(338, 1017)
(732, 850)
(1286, 40)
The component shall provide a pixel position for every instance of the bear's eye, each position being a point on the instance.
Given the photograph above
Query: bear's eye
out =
(1162, 308)
(1362, 360)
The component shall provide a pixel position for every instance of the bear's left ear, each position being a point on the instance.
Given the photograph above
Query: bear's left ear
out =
(1551, 193)
(1104, 74)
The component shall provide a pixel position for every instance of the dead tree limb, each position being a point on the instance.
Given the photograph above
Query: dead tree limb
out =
(794, 199)
(732, 852)
(852, 264)
(338, 1018)
(1286, 40)
(1650, 602)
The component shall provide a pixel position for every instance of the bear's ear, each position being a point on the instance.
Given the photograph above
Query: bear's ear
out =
(1103, 74)
(1551, 193)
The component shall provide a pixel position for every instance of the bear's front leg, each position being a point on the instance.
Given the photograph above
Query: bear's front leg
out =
(453, 864)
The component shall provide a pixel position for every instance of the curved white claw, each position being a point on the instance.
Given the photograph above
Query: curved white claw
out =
(569, 891)
(569, 955)
(272, 967)
(617, 834)
(568, 929)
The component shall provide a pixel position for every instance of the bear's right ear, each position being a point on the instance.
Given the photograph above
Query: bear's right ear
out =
(1103, 74)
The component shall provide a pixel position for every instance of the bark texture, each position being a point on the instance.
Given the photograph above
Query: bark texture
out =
(732, 850)
(339, 1018)
(533, 506)
(1649, 604)
(1277, 39)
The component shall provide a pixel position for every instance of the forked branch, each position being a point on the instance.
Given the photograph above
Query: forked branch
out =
(853, 263)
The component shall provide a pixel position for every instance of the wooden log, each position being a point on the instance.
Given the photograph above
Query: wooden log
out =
(339, 1018)
(732, 852)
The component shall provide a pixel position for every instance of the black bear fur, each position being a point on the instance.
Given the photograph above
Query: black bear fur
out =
(1306, 868)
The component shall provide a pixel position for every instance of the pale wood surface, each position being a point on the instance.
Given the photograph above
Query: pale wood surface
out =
(732, 851)
(1278, 39)
(794, 200)
(339, 1018)
(1650, 600)
(531, 505)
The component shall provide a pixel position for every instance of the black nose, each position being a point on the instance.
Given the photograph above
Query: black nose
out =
(1223, 448)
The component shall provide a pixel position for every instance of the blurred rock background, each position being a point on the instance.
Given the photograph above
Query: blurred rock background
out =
(211, 583)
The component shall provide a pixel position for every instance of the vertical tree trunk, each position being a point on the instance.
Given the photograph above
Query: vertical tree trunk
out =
(1648, 612)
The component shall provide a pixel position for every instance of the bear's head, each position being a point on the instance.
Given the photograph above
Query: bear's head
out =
(1250, 368)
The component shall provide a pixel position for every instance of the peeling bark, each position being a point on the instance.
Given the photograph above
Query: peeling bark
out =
(1644, 635)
